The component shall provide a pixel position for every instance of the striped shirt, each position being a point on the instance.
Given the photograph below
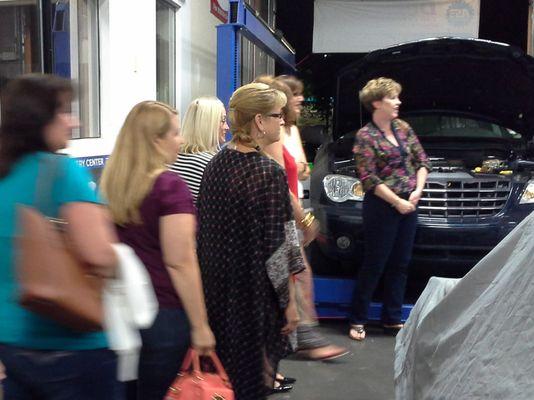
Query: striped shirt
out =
(191, 168)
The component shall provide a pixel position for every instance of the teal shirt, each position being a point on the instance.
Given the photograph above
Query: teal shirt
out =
(18, 326)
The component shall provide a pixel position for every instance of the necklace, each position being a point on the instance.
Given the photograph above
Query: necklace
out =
(245, 147)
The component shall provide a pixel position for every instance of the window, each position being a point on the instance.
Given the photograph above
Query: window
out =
(166, 52)
(85, 67)
(266, 10)
(20, 39)
(458, 126)
(65, 43)
(255, 62)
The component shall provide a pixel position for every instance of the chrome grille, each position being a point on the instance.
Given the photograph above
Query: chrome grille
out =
(464, 198)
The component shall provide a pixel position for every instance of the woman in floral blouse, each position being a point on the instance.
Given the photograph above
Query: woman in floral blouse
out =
(392, 167)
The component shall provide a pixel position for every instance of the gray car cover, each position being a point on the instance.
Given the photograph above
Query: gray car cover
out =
(473, 338)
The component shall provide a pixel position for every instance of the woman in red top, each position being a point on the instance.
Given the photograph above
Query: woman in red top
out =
(310, 343)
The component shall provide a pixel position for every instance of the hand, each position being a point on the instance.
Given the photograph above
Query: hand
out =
(415, 196)
(203, 340)
(292, 318)
(404, 206)
(310, 233)
(304, 171)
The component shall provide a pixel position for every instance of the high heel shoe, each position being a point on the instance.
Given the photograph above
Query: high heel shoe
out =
(286, 380)
(281, 388)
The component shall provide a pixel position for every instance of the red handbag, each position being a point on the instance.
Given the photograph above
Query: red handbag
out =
(198, 385)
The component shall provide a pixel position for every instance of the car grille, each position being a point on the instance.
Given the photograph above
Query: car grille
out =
(464, 199)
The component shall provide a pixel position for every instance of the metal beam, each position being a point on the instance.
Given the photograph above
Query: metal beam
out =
(244, 22)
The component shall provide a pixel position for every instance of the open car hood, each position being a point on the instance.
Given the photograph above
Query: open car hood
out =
(489, 79)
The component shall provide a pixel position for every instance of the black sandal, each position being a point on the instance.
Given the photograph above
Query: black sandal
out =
(359, 332)
(286, 380)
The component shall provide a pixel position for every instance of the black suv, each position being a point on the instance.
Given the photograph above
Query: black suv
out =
(471, 103)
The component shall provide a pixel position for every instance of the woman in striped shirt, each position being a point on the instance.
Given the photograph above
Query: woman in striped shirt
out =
(204, 130)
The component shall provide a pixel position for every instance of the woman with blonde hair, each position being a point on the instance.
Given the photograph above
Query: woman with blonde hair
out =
(154, 214)
(247, 245)
(204, 129)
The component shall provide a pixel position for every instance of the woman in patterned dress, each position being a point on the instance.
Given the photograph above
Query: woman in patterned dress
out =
(247, 245)
(392, 167)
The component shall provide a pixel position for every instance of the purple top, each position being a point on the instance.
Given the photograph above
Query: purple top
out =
(169, 195)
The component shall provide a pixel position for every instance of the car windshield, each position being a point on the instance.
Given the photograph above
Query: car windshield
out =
(455, 126)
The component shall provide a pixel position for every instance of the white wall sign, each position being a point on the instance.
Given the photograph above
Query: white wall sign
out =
(360, 26)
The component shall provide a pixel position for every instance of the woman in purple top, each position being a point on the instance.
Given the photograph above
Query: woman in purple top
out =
(392, 167)
(154, 213)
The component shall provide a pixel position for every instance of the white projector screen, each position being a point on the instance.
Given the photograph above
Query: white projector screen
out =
(359, 26)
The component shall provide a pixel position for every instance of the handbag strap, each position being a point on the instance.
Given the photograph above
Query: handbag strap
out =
(192, 358)
(46, 177)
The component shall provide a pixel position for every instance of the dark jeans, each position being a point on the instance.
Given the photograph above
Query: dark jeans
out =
(60, 375)
(389, 238)
(164, 347)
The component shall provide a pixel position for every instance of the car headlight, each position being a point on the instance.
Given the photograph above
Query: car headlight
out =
(340, 188)
(528, 194)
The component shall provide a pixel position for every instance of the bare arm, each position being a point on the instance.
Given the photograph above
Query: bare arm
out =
(177, 233)
(415, 196)
(302, 164)
(311, 231)
(90, 229)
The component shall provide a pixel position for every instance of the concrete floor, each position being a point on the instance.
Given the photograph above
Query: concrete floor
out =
(365, 374)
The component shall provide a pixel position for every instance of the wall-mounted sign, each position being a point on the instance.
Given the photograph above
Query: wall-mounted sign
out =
(218, 10)
(92, 162)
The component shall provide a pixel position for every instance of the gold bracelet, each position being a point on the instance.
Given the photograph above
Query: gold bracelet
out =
(307, 220)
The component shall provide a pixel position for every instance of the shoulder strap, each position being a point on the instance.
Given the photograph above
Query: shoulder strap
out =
(46, 177)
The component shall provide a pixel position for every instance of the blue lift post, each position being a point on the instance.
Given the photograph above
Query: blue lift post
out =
(243, 21)
(332, 296)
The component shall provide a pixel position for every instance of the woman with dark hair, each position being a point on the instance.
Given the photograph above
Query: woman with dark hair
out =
(288, 152)
(42, 358)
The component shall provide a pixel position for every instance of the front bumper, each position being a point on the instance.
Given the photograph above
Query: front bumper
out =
(453, 247)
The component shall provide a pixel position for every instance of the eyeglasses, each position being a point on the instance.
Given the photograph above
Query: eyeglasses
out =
(275, 115)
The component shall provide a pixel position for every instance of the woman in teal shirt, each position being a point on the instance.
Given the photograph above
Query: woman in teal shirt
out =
(42, 358)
